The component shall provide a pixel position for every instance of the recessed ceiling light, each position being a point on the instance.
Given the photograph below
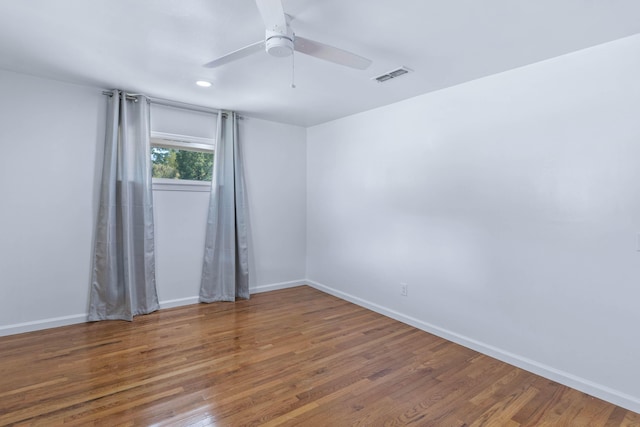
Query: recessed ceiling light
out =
(203, 83)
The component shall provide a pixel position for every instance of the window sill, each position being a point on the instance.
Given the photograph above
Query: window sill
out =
(162, 184)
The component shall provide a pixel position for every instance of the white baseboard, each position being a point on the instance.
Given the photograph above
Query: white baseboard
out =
(594, 389)
(258, 289)
(55, 322)
(276, 286)
(178, 302)
(36, 325)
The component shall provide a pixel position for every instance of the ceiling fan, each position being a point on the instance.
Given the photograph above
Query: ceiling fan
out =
(280, 41)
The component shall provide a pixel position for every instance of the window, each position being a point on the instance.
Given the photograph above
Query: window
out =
(181, 162)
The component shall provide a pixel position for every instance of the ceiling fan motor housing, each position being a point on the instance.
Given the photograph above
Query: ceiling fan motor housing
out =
(279, 44)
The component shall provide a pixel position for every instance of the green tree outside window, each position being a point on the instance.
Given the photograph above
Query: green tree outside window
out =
(181, 164)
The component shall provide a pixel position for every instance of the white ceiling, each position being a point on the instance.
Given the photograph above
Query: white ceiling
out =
(157, 47)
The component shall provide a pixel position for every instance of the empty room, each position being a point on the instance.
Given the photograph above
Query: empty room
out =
(320, 213)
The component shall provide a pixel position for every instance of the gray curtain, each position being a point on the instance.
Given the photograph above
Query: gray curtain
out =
(225, 271)
(123, 283)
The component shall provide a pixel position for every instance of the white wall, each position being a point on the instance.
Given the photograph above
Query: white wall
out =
(51, 134)
(180, 220)
(276, 174)
(510, 206)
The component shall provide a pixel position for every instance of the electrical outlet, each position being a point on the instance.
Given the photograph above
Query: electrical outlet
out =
(404, 289)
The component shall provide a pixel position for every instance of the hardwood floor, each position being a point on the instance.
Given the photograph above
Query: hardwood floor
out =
(290, 357)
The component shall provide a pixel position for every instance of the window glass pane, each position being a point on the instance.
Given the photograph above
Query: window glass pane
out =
(175, 163)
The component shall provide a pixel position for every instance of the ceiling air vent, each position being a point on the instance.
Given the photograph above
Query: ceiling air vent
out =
(392, 74)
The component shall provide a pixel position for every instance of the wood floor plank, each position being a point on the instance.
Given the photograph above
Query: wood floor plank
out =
(284, 358)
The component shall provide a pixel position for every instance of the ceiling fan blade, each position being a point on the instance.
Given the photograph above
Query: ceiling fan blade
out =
(330, 53)
(273, 15)
(236, 54)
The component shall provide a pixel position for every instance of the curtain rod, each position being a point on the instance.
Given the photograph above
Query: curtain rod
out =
(183, 105)
(167, 102)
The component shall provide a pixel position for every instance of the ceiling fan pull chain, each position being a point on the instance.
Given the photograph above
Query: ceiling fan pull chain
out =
(293, 70)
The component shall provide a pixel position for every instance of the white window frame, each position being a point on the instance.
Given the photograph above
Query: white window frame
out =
(181, 142)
